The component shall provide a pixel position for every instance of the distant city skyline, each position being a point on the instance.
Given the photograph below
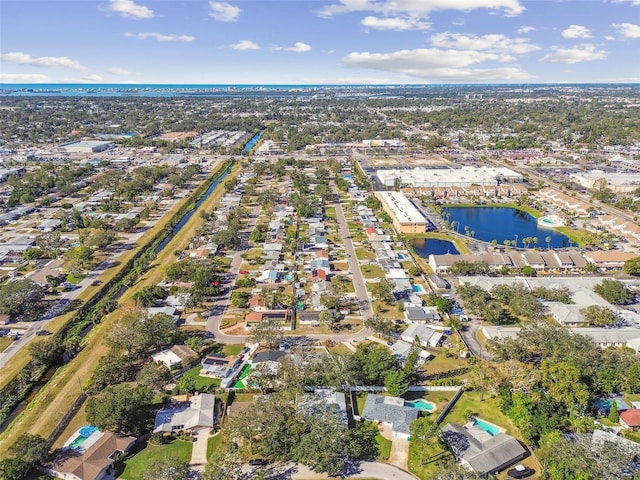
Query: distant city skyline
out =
(319, 41)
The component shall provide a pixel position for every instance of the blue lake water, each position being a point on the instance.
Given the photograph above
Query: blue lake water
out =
(504, 223)
(433, 246)
(252, 142)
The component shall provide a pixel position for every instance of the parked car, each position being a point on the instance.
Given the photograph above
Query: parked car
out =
(43, 333)
(519, 471)
(258, 462)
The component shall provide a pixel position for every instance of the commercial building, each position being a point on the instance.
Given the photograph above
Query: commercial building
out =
(620, 182)
(406, 218)
(86, 146)
(448, 177)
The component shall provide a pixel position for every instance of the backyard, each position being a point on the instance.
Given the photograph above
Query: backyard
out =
(137, 464)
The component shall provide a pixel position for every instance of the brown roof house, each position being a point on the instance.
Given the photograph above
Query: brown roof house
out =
(630, 418)
(90, 462)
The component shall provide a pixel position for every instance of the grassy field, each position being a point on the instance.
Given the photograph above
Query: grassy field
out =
(201, 382)
(214, 443)
(372, 271)
(52, 402)
(136, 465)
(5, 342)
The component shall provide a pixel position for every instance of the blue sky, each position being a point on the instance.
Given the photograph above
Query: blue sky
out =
(319, 41)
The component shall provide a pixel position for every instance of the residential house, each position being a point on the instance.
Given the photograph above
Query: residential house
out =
(94, 462)
(167, 310)
(199, 411)
(427, 336)
(481, 451)
(400, 350)
(390, 411)
(281, 316)
(630, 418)
(219, 365)
(417, 314)
(175, 356)
(309, 318)
(268, 276)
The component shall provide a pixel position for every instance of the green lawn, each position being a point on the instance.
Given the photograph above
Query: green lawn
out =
(487, 409)
(202, 382)
(232, 349)
(372, 271)
(425, 458)
(214, 443)
(5, 342)
(136, 465)
(384, 446)
(75, 278)
(363, 254)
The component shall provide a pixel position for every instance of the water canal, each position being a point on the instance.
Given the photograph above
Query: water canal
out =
(503, 223)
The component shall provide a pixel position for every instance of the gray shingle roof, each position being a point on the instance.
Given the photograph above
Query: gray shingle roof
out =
(483, 452)
(380, 408)
(199, 411)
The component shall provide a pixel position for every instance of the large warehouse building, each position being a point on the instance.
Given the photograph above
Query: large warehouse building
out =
(405, 216)
(86, 146)
(448, 177)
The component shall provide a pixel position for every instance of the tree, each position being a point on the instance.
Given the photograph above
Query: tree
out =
(379, 324)
(186, 384)
(268, 331)
(614, 416)
(78, 258)
(397, 383)
(373, 362)
(528, 271)
(224, 465)
(360, 442)
(383, 291)
(121, 409)
(20, 297)
(599, 316)
(47, 351)
(32, 449)
(322, 443)
(13, 468)
(154, 376)
(423, 429)
(240, 299)
(167, 468)
(614, 291)
(632, 267)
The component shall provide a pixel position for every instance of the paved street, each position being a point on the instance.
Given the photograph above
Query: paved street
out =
(292, 471)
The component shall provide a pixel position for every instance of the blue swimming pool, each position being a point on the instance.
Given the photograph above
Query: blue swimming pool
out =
(486, 426)
(400, 256)
(417, 288)
(421, 404)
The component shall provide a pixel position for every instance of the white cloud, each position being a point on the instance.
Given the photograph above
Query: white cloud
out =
(576, 31)
(394, 23)
(419, 8)
(118, 71)
(161, 37)
(92, 78)
(526, 29)
(435, 64)
(491, 42)
(629, 30)
(23, 78)
(127, 8)
(21, 58)
(245, 45)
(299, 47)
(581, 53)
(634, 3)
(224, 12)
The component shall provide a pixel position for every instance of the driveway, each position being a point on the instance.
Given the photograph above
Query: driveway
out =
(199, 452)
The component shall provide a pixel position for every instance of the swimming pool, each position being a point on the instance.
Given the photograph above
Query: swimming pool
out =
(81, 436)
(400, 256)
(421, 404)
(486, 426)
(417, 288)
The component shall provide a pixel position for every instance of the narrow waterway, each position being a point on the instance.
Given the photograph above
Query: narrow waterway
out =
(247, 148)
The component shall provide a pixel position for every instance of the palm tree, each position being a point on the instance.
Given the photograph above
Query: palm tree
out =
(535, 240)
(507, 242)
(548, 240)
